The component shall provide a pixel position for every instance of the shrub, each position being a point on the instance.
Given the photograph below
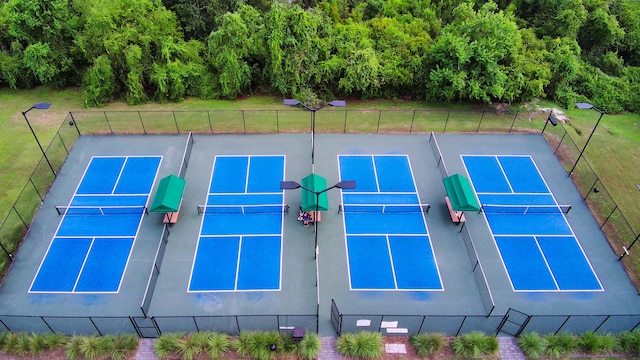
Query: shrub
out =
(559, 344)
(474, 344)
(74, 347)
(37, 344)
(217, 344)
(55, 340)
(426, 344)
(364, 345)
(630, 342)
(257, 345)
(122, 346)
(309, 346)
(166, 345)
(91, 347)
(532, 344)
(189, 346)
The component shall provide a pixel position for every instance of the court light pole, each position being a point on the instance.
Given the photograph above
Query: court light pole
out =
(294, 102)
(291, 185)
(587, 106)
(39, 106)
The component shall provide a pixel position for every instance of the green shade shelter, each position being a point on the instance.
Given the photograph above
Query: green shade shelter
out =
(316, 184)
(169, 194)
(460, 193)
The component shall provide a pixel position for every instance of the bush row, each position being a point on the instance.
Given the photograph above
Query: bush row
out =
(268, 345)
(255, 345)
(561, 344)
(115, 347)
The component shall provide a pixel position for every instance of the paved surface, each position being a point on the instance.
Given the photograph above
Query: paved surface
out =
(509, 349)
(145, 350)
(328, 350)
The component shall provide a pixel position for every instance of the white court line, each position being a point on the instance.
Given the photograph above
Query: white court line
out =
(115, 184)
(504, 174)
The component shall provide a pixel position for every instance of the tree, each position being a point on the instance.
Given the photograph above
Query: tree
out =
(478, 57)
(45, 31)
(229, 49)
(294, 48)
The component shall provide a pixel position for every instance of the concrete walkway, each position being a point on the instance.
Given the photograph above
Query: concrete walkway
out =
(509, 349)
(145, 350)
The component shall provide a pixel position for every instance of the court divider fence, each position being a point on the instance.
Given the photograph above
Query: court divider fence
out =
(478, 271)
(17, 220)
(155, 271)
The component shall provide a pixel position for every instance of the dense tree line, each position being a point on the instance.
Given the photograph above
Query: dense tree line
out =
(438, 50)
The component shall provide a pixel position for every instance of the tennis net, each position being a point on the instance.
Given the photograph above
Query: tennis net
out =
(525, 209)
(101, 210)
(243, 209)
(382, 209)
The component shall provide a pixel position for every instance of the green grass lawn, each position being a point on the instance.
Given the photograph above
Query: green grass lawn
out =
(614, 151)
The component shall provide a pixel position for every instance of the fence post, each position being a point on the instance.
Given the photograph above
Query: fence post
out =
(244, 123)
(446, 122)
(514, 121)
(142, 122)
(412, 120)
(63, 144)
(277, 122)
(344, 130)
(175, 121)
(36, 189)
(106, 118)
(209, 117)
(75, 123)
(480, 122)
(379, 116)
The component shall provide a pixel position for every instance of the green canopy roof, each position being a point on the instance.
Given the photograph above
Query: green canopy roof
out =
(169, 194)
(315, 183)
(460, 193)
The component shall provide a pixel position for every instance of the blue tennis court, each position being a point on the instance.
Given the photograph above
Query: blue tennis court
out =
(388, 245)
(538, 247)
(240, 243)
(91, 247)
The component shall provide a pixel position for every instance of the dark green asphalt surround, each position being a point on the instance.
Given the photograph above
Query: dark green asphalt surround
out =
(461, 295)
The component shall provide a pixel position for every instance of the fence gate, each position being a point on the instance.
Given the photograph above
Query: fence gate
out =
(513, 323)
(336, 318)
(146, 327)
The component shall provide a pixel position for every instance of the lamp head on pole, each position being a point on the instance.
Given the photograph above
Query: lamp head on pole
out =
(291, 102)
(587, 106)
(346, 184)
(289, 185)
(338, 103)
(41, 106)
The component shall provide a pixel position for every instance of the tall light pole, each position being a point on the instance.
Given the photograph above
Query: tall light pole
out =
(290, 185)
(39, 106)
(294, 102)
(587, 106)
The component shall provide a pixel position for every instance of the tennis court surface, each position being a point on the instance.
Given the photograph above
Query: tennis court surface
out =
(537, 245)
(91, 247)
(388, 256)
(387, 239)
(240, 242)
